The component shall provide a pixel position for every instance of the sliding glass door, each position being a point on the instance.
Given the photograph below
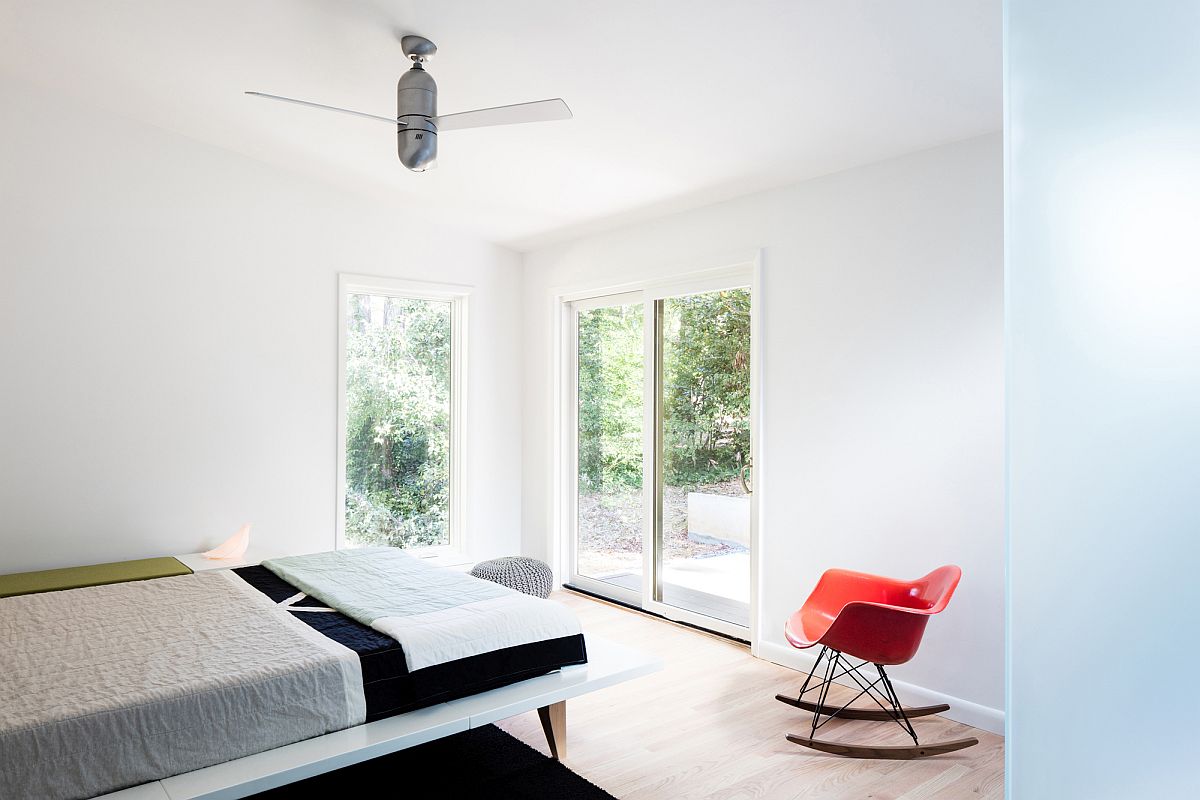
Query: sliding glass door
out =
(609, 500)
(660, 428)
(702, 438)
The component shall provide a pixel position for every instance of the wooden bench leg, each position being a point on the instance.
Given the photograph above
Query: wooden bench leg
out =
(554, 724)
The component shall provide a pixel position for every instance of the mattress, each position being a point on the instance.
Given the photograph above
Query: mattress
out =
(389, 686)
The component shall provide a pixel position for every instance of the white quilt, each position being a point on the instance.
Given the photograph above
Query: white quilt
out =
(436, 614)
(111, 686)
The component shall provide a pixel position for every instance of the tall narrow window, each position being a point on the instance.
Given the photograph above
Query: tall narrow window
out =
(398, 418)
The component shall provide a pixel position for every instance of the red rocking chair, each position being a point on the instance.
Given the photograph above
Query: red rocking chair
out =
(880, 622)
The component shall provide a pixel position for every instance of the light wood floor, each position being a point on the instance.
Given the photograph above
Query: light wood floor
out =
(708, 726)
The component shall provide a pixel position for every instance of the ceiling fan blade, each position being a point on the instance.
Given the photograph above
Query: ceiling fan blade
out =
(389, 120)
(540, 111)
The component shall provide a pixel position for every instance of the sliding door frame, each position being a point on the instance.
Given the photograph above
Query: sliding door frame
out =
(652, 465)
(739, 271)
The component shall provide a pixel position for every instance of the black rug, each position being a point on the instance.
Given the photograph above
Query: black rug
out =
(481, 763)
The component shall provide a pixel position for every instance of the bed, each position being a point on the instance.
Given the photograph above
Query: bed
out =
(114, 686)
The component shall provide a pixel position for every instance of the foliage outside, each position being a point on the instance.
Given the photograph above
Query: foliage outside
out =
(397, 421)
(610, 398)
(706, 393)
(706, 421)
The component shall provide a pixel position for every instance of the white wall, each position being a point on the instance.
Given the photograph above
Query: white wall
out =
(1104, 421)
(168, 342)
(882, 298)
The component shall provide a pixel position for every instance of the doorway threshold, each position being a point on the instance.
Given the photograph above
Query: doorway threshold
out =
(640, 610)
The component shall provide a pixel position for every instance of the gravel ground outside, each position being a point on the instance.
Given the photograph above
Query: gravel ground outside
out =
(610, 528)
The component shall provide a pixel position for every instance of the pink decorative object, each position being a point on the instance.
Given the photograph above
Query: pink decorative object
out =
(233, 547)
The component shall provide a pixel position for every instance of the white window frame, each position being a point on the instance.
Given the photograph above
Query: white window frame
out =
(458, 296)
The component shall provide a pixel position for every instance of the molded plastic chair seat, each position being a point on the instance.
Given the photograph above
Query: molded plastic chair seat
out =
(871, 617)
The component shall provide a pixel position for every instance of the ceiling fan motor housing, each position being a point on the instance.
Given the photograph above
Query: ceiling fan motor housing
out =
(416, 105)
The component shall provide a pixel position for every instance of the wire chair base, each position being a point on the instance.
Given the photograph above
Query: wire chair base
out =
(879, 689)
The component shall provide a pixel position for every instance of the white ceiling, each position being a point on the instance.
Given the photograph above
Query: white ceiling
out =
(677, 102)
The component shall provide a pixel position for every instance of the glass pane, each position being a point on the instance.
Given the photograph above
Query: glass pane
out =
(705, 429)
(397, 421)
(610, 511)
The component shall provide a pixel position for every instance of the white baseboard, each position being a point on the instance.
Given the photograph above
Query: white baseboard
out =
(964, 711)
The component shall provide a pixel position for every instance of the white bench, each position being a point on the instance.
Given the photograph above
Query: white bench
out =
(609, 663)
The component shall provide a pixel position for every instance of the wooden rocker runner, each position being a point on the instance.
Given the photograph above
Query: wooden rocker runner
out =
(879, 622)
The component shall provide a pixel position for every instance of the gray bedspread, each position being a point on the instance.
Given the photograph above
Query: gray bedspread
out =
(111, 686)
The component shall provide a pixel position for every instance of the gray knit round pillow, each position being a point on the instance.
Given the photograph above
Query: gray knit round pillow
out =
(526, 575)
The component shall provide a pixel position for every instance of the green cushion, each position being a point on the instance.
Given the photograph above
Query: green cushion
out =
(53, 580)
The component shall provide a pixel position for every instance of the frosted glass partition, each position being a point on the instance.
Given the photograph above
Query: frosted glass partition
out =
(1103, 282)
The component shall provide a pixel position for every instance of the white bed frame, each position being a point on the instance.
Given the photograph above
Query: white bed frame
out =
(609, 663)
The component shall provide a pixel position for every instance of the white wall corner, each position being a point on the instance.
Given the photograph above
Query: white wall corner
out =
(964, 711)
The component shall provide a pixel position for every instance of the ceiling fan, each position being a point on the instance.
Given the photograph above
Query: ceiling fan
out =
(417, 122)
